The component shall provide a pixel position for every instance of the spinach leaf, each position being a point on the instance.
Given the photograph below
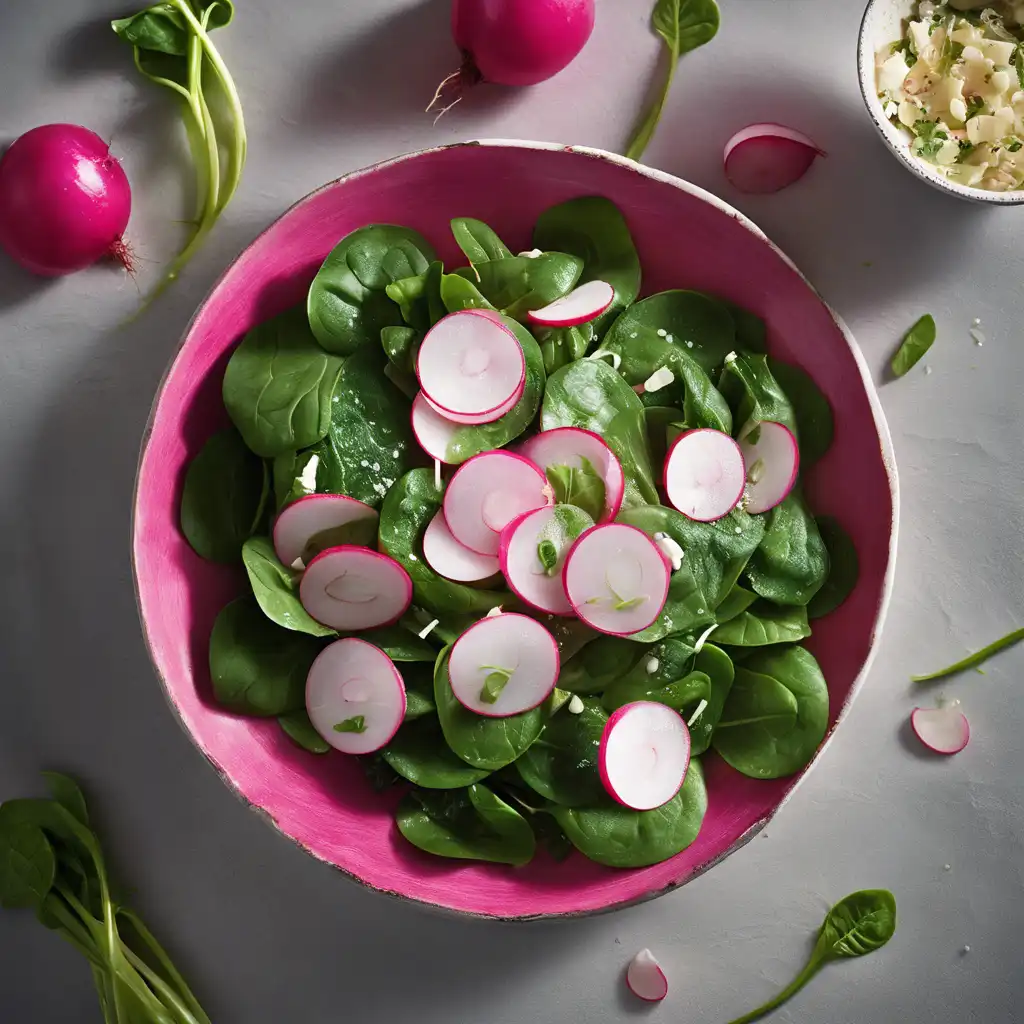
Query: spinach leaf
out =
(660, 675)
(762, 624)
(276, 588)
(294, 476)
(599, 664)
(420, 754)
(776, 715)
(916, 343)
(812, 409)
(718, 667)
(738, 600)
(755, 394)
(400, 643)
(419, 298)
(401, 345)
(663, 424)
(751, 332)
(975, 659)
(299, 729)
(459, 293)
(843, 568)
(27, 865)
(581, 486)
(66, 792)
(478, 241)
(517, 284)
(278, 386)
(560, 346)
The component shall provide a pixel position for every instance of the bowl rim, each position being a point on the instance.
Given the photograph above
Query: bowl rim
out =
(886, 452)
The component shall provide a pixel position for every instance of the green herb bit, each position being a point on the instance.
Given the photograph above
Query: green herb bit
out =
(355, 724)
(974, 659)
(625, 606)
(915, 344)
(495, 682)
(547, 555)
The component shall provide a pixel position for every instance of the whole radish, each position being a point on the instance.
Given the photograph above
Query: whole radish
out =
(64, 201)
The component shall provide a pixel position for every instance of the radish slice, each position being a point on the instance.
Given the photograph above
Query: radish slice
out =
(645, 978)
(448, 558)
(433, 431)
(465, 419)
(569, 446)
(532, 552)
(350, 588)
(503, 665)
(645, 751)
(582, 304)
(355, 697)
(772, 462)
(616, 579)
(767, 157)
(471, 364)
(486, 493)
(704, 475)
(314, 514)
(943, 730)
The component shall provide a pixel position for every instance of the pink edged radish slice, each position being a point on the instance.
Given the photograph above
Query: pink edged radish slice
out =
(581, 305)
(772, 460)
(943, 730)
(704, 476)
(350, 588)
(645, 751)
(645, 978)
(315, 514)
(471, 364)
(765, 158)
(569, 446)
(486, 493)
(433, 431)
(503, 665)
(452, 560)
(616, 579)
(355, 697)
(464, 419)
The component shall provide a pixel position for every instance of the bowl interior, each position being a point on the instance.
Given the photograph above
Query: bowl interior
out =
(685, 239)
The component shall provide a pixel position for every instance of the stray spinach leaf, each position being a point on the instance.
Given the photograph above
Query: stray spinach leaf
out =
(916, 343)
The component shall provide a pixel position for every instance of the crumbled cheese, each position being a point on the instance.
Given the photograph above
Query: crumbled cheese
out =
(700, 640)
(532, 254)
(661, 378)
(493, 613)
(428, 629)
(700, 711)
(670, 549)
(652, 666)
(662, 332)
(299, 564)
(575, 705)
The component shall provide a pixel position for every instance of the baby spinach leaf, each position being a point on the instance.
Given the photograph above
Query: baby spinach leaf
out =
(581, 486)
(843, 568)
(762, 624)
(401, 345)
(478, 241)
(159, 28)
(751, 332)
(812, 409)
(420, 754)
(65, 791)
(738, 600)
(517, 284)
(661, 664)
(276, 588)
(975, 659)
(713, 662)
(599, 664)
(754, 393)
(677, 694)
(459, 293)
(560, 346)
(27, 865)
(299, 729)
(916, 343)
(400, 643)
(418, 297)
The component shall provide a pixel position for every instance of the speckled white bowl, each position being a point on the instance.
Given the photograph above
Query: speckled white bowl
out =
(881, 25)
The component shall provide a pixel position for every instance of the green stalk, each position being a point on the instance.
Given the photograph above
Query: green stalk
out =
(161, 988)
(973, 659)
(813, 966)
(645, 130)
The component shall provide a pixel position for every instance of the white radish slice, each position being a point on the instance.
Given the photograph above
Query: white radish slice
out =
(704, 474)
(355, 697)
(645, 978)
(452, 560)
(465, 419)
(503, 665)
(944, 730)
(314, 514)
(569, 446)
(644, 754)
(765, 158)
(486, 493)
(772, 463)
(581, 305)
(350, 588)
(471, 364)
(616, 579)
(433, 431)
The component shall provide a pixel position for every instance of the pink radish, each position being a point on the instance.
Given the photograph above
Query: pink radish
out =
(616, 579)
(486, 493)
(433, 431)
(645, 751)
(314, 514)
(568, 446)
(943, 730)
(772, 460)
(467, 419)
(645, 978)
(503, 665)
(768, 157)
(64, 201)
(355, 696)
(452, 560)
(350, 588)
(471, 367)
(704, 475)
(581, 305)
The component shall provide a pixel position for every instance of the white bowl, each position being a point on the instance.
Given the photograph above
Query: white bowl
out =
(882, 24)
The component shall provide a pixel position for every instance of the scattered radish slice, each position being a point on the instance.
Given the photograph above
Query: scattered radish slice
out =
(355, 697)
(581, 305)
(944, 730)
(467, 419)
(704, 475)
(645, 751)
(616, 579)
(433, 431)
(645, 978)
(471, 364)
(486, 493)
(350, 588)
(448, 558)
(314, 514)
(768, 157)
(503, 666)
(772, 463)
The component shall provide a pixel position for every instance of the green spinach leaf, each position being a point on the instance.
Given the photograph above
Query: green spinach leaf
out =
(419, 298)
(401, 345)
(755, 394)
(459, 293)
(813, 412)
(738, 600)
(719, 668)
(751, 332)
(65, 791)
(517, 284)
(662, 675)
(581, 486)
(916, 343)
(420, 754)
(843, 568)
(27, 866)
(560, 346)
(599, 664)
(478, 241)
(762, 624)
(276, 588)
(299, 729)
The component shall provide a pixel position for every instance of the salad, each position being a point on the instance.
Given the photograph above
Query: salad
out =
(523, 543)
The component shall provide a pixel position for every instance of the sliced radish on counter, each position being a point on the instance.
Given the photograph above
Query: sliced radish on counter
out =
(943, 730)
(448, 558)
(616, 579)
(315, 514)
(350, 588)
(772, 459)
(503, 665)
(645, 978)
(645, 751)
(581, 305)
(704, 475)
(767, 157)
(486, 493)
(569, 446)
(355, 697)
(471, 366)
(433, 431)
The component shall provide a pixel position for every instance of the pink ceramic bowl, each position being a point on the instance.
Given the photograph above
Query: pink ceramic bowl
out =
(686, 238)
